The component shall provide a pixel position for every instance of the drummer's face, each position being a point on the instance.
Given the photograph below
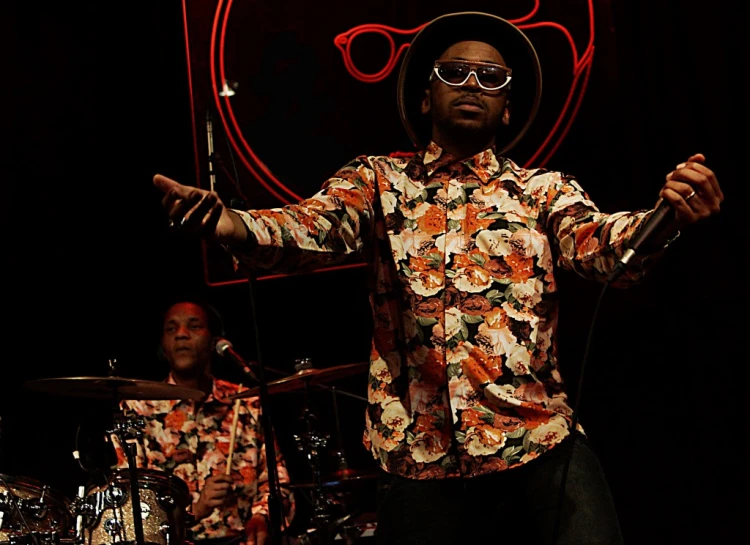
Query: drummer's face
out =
(186, 339)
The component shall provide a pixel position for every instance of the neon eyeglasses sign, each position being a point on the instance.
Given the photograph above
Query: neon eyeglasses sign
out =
(581, 63)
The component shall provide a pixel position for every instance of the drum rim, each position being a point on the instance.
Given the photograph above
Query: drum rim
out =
(57, 504)
(29, 484)
(150, 479)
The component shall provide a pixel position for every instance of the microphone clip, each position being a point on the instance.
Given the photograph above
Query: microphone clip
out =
(226, 349)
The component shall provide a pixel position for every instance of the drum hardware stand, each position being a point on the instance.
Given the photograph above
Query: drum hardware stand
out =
(38, 509)
(311, 442)
(164, 530)
(128, 430)
(349, 533)
(338, 454)
(84, 512)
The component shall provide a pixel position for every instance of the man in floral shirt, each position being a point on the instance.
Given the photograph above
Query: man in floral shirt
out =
(467, 411)
(191, 439)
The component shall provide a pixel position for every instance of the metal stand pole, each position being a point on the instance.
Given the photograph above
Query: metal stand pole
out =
(275, 508)
(135, 495)
(127, 432)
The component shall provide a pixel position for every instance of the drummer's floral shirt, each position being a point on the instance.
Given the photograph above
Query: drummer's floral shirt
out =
(191, 440)
(464, 377)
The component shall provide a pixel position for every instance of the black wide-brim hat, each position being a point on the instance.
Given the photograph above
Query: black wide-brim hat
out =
(437, 36)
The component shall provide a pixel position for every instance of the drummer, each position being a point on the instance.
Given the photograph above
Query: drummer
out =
(191, 439)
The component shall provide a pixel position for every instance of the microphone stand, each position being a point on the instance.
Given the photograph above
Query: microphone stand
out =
(211, 156)
(128, 432)
(274, 505)
(274, 499)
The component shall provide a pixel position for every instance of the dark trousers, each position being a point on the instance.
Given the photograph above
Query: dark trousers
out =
(515, 506)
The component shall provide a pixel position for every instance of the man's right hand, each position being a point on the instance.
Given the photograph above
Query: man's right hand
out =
(214, 493)
(198, 212)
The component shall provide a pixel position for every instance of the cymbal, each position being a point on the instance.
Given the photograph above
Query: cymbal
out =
(351, 477)
(349, 473)
(115, 388)
(304, 378)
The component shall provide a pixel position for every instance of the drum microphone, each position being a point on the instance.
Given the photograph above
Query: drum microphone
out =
(225, 348)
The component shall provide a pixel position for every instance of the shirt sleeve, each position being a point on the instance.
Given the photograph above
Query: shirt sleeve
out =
(327, 229)
(587, 241)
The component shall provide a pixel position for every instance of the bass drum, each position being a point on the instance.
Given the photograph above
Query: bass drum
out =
(164, 500)
(32, 513)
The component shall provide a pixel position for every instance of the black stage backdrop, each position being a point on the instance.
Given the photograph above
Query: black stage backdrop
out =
(98, 97)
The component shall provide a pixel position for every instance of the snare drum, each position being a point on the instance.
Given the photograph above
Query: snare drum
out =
(163, 498)
(32, 512)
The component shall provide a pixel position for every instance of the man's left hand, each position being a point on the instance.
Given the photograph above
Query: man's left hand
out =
(693, 191)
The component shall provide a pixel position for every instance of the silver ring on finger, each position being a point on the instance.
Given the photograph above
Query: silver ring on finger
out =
(692, 194)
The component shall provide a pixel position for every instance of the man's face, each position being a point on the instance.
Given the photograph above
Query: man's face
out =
(186, 340)
(467, 111)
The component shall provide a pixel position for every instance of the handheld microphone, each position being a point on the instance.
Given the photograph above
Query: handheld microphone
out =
(657, 221)
(225, 348)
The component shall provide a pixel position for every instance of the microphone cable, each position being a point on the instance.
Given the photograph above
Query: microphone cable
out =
(575, 418)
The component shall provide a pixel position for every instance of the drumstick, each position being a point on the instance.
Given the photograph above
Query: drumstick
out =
(234, 432)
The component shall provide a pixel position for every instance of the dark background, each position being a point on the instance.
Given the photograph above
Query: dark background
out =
(96, 102)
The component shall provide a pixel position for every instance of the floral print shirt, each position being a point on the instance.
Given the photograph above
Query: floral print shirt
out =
(190, 440)
(464, 377)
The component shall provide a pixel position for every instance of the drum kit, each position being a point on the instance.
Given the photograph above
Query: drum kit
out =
(32, 513)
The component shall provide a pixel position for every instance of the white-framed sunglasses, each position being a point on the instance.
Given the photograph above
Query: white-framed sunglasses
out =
(489, 76)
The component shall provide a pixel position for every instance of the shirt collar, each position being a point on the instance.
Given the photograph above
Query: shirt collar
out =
(484, 164)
